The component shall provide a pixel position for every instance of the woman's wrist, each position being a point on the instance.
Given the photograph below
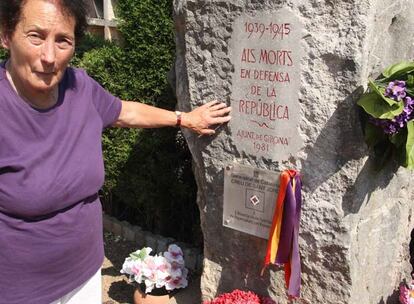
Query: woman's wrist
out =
(185, 121)
(178, 119)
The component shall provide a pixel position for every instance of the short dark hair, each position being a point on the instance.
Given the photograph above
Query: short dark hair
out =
(11, 10)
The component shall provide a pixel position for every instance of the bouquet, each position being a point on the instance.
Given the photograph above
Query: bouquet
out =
(406, 293)
(389, 105)
(240, 297)
(165, 270)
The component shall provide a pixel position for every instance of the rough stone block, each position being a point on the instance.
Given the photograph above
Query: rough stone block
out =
(151, 241)
(170, 241)
(162, 244)
(128, 232)
(354, 220)
(200, 262)
(107, 222)
(139, 237)
(190, 258)
(116, 227)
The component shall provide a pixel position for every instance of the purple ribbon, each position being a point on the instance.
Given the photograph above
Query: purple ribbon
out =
(288, 251)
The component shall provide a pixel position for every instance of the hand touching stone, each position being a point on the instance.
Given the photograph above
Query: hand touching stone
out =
(204, 119)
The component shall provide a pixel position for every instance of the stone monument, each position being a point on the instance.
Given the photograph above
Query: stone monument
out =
(292, 72)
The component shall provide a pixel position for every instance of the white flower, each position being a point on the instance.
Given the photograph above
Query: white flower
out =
(149, 286)
(176, 270)
(180, 282)
(174, 254)
(127, 266)
(157, 271)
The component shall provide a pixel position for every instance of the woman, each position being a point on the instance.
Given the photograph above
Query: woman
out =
(51, 165)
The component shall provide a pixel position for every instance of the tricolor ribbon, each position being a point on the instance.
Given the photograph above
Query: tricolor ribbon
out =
(282, 246)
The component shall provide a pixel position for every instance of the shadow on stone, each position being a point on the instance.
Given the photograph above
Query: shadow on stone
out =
(392, 299)
(190, 294)
(236, 271)
(340, 142)
(365, 184)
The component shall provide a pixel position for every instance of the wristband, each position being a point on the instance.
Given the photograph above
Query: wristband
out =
(178, 123)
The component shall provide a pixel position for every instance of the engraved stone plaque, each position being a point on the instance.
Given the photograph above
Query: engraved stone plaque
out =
(266, 53)
(249, 199)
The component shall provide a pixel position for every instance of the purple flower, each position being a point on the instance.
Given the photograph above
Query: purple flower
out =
(390, 128)
(393, 126)
(409, 102)
(396, 90)
(400, 120)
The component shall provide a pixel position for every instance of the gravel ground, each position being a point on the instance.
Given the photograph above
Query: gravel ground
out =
(115, 286)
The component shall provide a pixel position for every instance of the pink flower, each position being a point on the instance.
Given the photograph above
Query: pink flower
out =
(157, 271)
(177, 282)
(406, 294)
(174, 254)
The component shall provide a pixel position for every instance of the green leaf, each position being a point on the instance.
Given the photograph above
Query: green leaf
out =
(139, 254)
(398, 139)
(380, 92)
(4, 54)
(410, 81)
(410, 91)
(397, 70)
(134, 158)
(409, 147)
(382, 153)
(135, 256)
(375, 106)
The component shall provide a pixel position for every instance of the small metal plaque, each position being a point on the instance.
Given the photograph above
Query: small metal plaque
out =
(249, 199)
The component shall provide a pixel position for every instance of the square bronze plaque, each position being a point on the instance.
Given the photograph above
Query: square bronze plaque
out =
(249, 199)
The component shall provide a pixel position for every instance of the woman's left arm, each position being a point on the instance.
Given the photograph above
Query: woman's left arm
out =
(200, 120)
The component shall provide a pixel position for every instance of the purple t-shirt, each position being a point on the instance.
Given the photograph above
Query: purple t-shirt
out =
(51, 169)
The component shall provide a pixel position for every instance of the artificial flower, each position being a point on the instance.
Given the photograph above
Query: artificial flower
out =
(157, 271)
(406, 293)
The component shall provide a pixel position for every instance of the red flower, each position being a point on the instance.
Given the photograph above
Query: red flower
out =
(240, 297)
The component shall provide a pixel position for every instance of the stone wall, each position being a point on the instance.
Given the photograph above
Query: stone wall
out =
(356, 222)
(158, 243)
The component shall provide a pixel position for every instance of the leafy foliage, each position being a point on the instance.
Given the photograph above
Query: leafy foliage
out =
(147, 30)
(389, 107)
(149, 180)
(88, 43)
(3, 54)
